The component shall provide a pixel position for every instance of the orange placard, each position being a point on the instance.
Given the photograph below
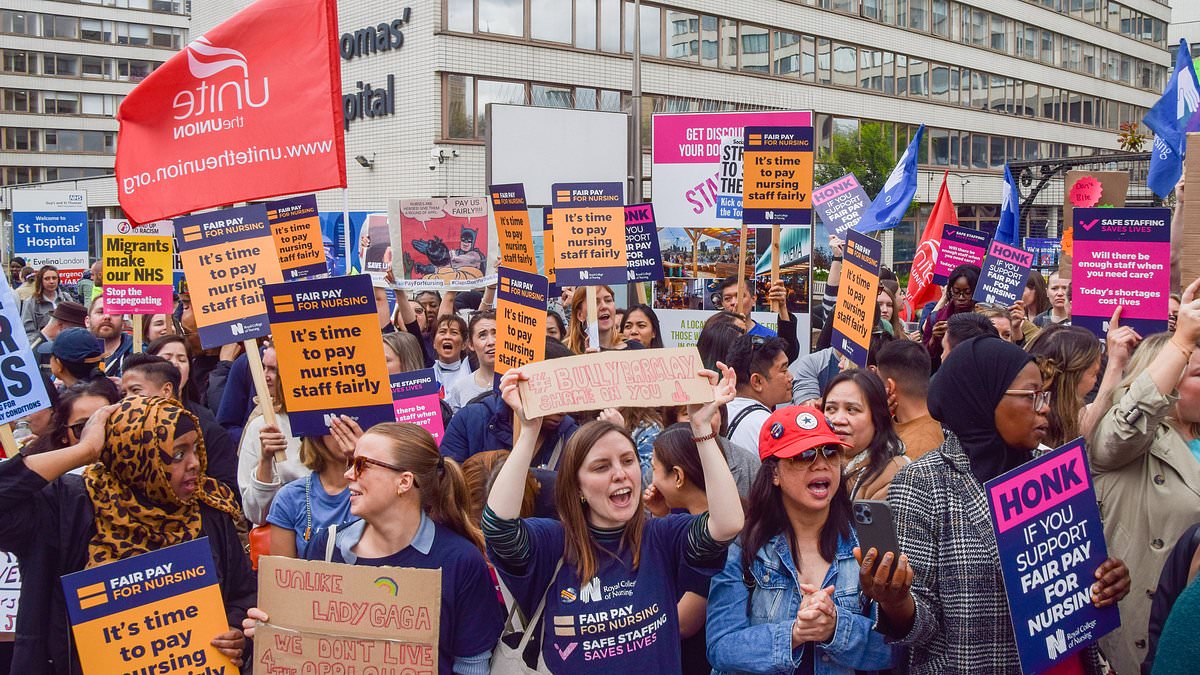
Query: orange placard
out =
(590, 219)
(512, 227)
(297, 231)
(777, 176)
(520, 319)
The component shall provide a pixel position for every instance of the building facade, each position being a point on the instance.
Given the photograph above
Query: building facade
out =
(64, 69)
(993, 81)
(1185, 23)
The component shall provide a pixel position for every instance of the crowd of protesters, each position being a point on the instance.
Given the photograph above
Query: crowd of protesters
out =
(730, 522)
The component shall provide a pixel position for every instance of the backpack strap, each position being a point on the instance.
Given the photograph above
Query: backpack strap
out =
(737, 419)
(329, 544)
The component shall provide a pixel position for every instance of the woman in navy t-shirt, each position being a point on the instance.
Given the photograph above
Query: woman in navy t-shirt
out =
(610, 577)
(412, 503)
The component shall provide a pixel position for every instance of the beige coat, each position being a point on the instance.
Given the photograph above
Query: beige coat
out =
(1148, 486)
(878, 488)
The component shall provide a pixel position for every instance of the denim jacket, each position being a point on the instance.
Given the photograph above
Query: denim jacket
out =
(754, 634)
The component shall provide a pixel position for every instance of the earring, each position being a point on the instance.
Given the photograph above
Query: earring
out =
(582, 499)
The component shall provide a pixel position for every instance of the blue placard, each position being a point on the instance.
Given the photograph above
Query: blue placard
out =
(641, 244)
(22, 389)
(1051, 542)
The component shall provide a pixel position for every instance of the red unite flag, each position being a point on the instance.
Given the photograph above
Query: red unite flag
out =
(921, 289)
(251, 109)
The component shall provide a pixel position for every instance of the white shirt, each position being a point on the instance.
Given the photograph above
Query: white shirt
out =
(448, 374)
(257, 495)
(746, 432)
(462, 391)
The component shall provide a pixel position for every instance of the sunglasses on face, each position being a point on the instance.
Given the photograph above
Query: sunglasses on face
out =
(357, 463)
(77, 428)
(809, 456)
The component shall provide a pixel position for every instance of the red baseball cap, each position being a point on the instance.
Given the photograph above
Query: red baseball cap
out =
(792, 430)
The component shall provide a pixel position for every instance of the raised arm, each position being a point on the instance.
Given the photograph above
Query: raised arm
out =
(509, 487)
(407, 314)
(725, 518)
(1120, 341)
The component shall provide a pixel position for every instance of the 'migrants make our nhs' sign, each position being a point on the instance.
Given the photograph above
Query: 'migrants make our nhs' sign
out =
(369, 101)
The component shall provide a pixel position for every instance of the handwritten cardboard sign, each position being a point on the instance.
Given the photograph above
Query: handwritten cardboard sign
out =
(131, 615)
(416, 399)
(227, 257)
(328, 617)
(1051, 542)
(960, 246)
(589, 223)
(641, 242)
(840, 204)
(777, 176)
(137, 267)
(296, 227)
(512, 227)
(520, 320)
(1005, 271)
(858, 291)
(1122, 258)
(10, 592)
(640, 378)
(330, 351)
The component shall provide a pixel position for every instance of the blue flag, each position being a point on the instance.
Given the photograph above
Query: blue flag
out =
(1168, 119)
(897, 194)
(1009, 231)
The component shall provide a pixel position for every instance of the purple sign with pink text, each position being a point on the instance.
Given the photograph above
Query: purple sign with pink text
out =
(1122, 258)
(417, 400)
(840, 204)
(1005, 271)
(960, 246)
(1051, 542)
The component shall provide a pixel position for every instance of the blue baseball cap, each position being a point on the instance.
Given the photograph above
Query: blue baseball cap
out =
(78, 345)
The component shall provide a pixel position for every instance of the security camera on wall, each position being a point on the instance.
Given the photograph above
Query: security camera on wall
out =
(433, 165)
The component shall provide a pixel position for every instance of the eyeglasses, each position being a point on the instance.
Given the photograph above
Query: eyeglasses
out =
(961, 292)
(809, 456)
(357, 463)
(77, 428)
(1040, 398)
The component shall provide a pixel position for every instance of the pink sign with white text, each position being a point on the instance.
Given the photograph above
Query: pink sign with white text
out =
(416, 397)
(1122, 258)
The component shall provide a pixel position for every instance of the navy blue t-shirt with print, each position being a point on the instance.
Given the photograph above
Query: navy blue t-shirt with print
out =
(472, 616)
(620, 621)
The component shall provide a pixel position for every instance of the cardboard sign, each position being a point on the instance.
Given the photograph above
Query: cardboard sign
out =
(227, 258)
(375, 616)
(858, 291)
(590, 222)
(960, 246)
(10, 592)
(50, 227)
(138, 267)
(520, 320)
(22, 389)
(729, 194)
(1122, 258)
(641, 244)
(1005, 271)
(840, 204)
(330, 351)
(1088, 189)
(296, 228)
(1051, 541)
(639, 378)
(416, 398)
(1189, 265)
(681, 327)
(512, 227)
(777, 176)
(162, 607)
(687, 158)
(439, 243)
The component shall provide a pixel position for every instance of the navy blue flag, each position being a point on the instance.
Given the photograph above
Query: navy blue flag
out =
(897, 194)
(1168, 119)
(1010, 212)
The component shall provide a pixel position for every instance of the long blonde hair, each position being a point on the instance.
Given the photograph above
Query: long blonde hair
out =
(440, 481)
(577, 339)
(1143, 356)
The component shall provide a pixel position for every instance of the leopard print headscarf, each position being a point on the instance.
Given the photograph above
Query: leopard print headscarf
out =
(136, 509)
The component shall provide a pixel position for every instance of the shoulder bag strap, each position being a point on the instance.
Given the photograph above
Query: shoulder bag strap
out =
(531, 627)
(308, 507)
(737, 419)
(330, 543)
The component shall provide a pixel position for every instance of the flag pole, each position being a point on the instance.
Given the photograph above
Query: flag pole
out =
(346, 227)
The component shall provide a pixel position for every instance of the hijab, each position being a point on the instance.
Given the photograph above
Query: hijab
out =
(136, 509)
(964, 394)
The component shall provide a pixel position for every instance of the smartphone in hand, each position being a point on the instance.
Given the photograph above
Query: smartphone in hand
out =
(876, 528)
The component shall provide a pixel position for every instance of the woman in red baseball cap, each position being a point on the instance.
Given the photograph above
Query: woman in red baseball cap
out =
(788, 599)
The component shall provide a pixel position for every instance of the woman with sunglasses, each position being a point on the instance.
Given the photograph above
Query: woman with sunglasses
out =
(989, 396)
(788, 599)
(959, 298)
(604, 558)
(411, 510)
(144, 488)
(75, 406)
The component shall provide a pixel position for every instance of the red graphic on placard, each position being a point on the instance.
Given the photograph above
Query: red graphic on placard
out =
(1086, 192)
(251, 109)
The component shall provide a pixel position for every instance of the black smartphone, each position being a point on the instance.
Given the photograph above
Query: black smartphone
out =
(876, 529)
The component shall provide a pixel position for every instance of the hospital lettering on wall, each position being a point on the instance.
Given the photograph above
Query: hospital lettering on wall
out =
(367, 100)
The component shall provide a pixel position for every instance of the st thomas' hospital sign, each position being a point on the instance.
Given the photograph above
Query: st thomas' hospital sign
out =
(369, 101)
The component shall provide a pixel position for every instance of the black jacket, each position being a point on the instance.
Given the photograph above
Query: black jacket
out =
(48, 527)
(220, 447)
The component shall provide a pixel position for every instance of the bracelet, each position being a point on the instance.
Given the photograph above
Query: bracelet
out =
(836, 258)
(1187, 353)
(705, 437)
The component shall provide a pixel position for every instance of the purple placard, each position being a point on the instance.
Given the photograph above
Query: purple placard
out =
(1005, 271)
(960, 246)
(840, 204)
(1122, 257)
(417, 399)
(641, 244)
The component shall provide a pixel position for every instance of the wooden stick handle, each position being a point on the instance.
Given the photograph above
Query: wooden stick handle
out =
(743, 278)
(137, 333)
(8, 441)
(775, 306)
(259, 376)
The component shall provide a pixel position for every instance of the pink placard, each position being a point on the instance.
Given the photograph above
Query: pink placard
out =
(1040, 489)
(695, 138)
(417, 400)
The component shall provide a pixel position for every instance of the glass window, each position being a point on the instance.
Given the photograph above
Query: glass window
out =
(162, 36)
(610, 25)
(63, 66)
(998, 152)
(1047, 53)
(460, 15)
(888, 71)
(808, 58)
(459, 101)
(585, 24)
(845, 65)
(710, 41)
(979, 151)
(651, 26)
(19, 100)
(939, 147)
(939, 83)
(610, 101)
(22, 23)
(787, 53)
(979, 90)
(870, 69)
(550, 20)
(756, 49)
(551, 97)
(20, 139)
(1029, 108)
(998, 94)
(92, 30)
(941, 18)
(870, 9)
(493, 91)
(979, 27)
(918, 74)
(94, 104)
(683, 36)
(585, 98)
(918, 15)
(999, 36)
(62, 26)
(901, 75)
(1075, 108)
(729, 40)
(503, 17)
